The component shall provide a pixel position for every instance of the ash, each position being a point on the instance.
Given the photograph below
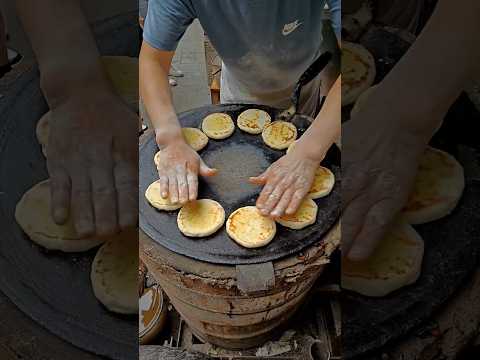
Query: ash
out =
(235, 164)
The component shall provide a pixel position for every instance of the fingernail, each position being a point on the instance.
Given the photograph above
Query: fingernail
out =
(164, 195)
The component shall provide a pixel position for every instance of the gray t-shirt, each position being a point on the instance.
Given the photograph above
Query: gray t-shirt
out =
(265, 45)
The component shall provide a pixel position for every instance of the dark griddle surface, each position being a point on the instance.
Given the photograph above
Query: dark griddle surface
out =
(243, 152)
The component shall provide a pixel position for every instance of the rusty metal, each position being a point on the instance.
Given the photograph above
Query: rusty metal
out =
(217, 311)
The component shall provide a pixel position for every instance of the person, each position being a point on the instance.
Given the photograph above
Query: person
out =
(92, 161)
(265, 47)
(383, 142)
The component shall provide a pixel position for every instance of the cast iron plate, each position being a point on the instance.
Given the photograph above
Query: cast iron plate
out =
(52, 288)
(241, 155)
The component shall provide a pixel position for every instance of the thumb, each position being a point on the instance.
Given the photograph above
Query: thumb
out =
(260, 179)
(204, 170)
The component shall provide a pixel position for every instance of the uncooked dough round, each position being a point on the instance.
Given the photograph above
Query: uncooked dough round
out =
(253, 121)
(115, 271)
(438, 187)
(358, 71)
(322, 183)
(153, 196)
(201, 218)
(250, 229)
(306, 215)
(279, 135)
(395, 263)
(218, 126)
(33, 214)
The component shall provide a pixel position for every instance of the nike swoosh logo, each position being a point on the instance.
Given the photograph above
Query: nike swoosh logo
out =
(290, 28)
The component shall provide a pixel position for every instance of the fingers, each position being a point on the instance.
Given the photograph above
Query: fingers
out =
(126, 183)
(283, 203)
(192, 180)
(164, 186)
(265, 195)
(172, 186)
(377, 223)
(276, 195)
(182, 183)
(81, 204)
(60, 190)
(260, 179)
(352, 221)
(104, 197)
(296, 200)
(204, 170)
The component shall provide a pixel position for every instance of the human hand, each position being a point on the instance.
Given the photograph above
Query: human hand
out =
(286, 183)
(178, 168)
(92, 158)
(379, 165)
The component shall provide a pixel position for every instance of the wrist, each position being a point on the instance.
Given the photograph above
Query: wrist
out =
(417, 116)
(166, 136)
(62, 83)
(314, 152)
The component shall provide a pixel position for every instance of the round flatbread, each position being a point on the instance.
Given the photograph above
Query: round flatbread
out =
(42, 131)
(279, 135)
(361, 100)
(306, 215)
(218, 126)
(250, 229)
(114, 274)
(253, 121)
(322, 183)
(395, 263)
(33, 214)
(291, 146)
(153, 196)
(123, 73)
(195, 138)
(201, 218)
(358, 71)
(438, 187)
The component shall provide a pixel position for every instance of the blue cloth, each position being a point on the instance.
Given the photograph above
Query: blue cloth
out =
(265, 45)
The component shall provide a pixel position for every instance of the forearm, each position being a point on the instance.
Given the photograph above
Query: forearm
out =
(326, 127)
(64, 46)
(436, 69)
(156, 94)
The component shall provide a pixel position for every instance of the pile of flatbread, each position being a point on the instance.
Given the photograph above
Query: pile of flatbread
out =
(114, 269)
(246, 226)
(397, 261)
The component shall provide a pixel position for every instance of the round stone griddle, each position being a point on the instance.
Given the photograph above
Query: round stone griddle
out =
(237, 158)
(54, 288)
